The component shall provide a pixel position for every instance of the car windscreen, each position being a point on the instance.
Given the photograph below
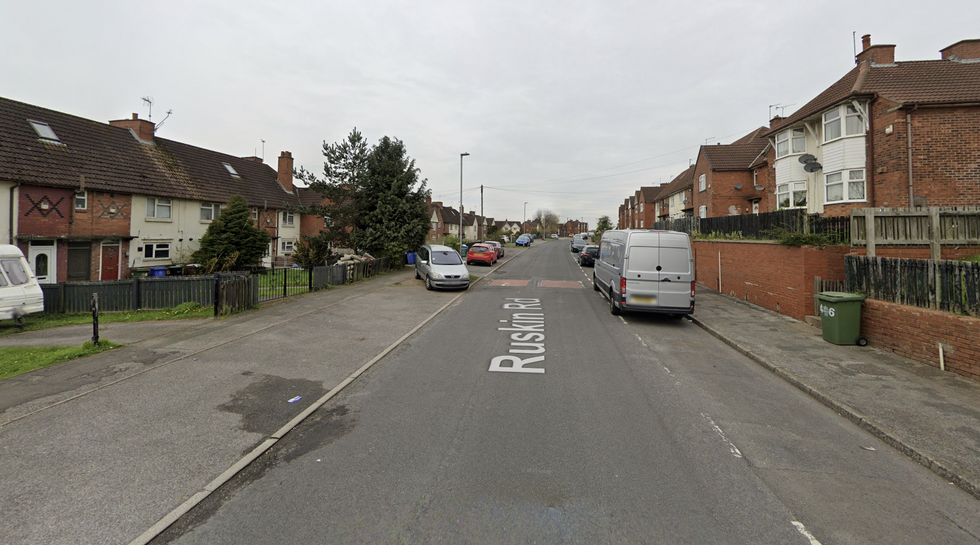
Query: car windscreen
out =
(479, 249)
(594, 252)
(446, 258)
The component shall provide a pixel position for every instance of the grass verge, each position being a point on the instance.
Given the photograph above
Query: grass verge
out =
(21, 359)
(37, 322)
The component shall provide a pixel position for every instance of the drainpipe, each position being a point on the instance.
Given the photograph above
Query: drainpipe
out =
(908, 138)
(10, 233)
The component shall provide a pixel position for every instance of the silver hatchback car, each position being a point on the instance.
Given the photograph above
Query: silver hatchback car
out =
(441, 267)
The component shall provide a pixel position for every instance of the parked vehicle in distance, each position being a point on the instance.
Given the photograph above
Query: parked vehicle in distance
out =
(505, 238)
(523, 240)
(554, 235)
(20, 294)
(580, 241)
(496, 246)
(481, 253)
(646, 271)
(586, 257)
(441, 267)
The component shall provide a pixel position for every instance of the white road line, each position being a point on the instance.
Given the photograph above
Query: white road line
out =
(802, 529)
(731, 446)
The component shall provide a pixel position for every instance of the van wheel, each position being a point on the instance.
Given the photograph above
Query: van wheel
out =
(613, 307)
(595, 286)
(428, 283)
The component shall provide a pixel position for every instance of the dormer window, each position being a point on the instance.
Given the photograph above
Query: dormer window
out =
(44, 131)
(231, 170)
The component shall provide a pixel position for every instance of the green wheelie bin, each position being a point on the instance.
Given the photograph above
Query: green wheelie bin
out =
(840, 317)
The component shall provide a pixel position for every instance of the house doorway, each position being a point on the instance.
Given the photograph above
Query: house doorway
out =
(79, 261)
(110, 261)
(43, 256)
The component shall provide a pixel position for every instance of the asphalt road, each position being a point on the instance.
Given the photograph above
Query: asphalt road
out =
(526, 413)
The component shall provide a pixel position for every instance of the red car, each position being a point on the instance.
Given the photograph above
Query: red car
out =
(481, 253)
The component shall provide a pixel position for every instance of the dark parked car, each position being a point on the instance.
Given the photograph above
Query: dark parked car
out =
(588, 255)
(496, 246)
(580, 241)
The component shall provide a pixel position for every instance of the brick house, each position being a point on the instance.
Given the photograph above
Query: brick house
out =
(887, 134)
(674, 199)
(90, 201)
(730, 179)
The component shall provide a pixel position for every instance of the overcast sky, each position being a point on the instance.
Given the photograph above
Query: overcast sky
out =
(566, 105)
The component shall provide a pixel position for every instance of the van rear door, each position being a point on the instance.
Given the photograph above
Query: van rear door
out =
(676, 272)
(642, 271)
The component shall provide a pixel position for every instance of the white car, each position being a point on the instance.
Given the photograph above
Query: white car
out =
(441, 267)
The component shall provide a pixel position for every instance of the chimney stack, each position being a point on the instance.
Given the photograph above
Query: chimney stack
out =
(286, 170)
(142, 128)
(875, 54)
(962, 50)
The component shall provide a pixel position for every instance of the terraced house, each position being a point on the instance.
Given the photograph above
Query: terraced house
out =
(91, 201)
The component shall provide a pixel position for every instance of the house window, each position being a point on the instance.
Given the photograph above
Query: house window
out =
(853, 124)
(703, 211)
(287, 247)
(156, 250)
(210, 211)
(287, 217)
(81, 200)
(789, 142)
(791, 195)
(255, 214)
(702, 183)
(157, 208)
(231, 170)
(44, 131)
(841, 190)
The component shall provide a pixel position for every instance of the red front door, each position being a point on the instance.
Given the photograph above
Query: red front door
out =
(110, 263)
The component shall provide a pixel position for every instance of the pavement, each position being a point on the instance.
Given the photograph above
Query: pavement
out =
(111, 448)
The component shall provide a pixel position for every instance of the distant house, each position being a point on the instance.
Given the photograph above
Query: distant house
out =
(91, 201)
(887, 134)
(730, 180)
(675, 199)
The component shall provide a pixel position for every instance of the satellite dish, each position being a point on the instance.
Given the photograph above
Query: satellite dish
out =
(812, 166)
(807, 158)
(738, 186)
(760, 187)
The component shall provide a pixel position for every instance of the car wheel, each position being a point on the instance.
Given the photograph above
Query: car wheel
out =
(428, 283)
(613, 307)
(595, 285)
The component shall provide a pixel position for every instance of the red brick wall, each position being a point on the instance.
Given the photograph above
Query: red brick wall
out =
(780, 278)
(920, 252)
(945, 152)
(914, 333)
(767, 274)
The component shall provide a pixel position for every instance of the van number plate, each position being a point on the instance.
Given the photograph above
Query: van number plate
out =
(643, 300)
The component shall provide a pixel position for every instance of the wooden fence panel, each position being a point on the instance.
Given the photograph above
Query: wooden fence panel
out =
(951, 286)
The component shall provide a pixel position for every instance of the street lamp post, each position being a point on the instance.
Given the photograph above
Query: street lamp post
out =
(524, 222)
(461, 155)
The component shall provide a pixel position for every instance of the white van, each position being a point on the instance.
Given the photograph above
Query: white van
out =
(20, 294)
(646, 271)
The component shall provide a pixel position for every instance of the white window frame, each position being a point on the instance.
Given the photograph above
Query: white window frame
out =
(81, 200)
(702, 182)
(287, 247)
(44, 131)
(791, 191)
(231, 170)
(255, 214)
(790, 142)
(846, 120)
(703, 211)
(210, 211)
(155, 205)
(153, 251)
(288, 218)
(853, 189)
